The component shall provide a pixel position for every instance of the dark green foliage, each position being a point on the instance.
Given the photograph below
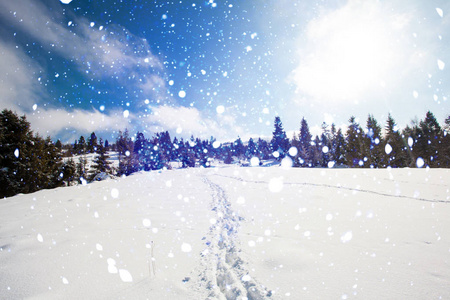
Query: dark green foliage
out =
(92, 143)
(429, 139)
(304, 148)
(68, 170)
(280, 142)
(373, 150)
(28, 162)
(445, 145)
(393, 142)
(353, 152)
(101, 163)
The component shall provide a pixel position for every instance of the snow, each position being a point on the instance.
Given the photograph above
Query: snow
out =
(230, 232)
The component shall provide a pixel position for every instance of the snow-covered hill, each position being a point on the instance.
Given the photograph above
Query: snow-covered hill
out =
(230, 233)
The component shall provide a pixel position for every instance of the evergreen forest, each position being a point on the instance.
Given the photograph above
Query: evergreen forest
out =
(29, 162)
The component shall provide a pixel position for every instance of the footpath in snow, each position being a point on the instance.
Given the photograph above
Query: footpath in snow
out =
(232, 233)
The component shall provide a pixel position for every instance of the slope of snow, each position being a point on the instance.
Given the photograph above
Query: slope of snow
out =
(231, 233)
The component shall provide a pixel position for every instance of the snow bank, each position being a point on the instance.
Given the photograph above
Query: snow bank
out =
(230, 232)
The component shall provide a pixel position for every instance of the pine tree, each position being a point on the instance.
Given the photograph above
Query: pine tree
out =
(353, 151)
(429, 139)
(81, 171)
(305, 151)
(252, 150)
(445, 145)
(280, 142)
(127, 159)
(139, 149)
(81, 145)
(238, 149)
(316, 153)
(373, 150)
(28, 162)
(395, 149)
(101, 163)
(339, 148)
(92, 143)
(69, 171)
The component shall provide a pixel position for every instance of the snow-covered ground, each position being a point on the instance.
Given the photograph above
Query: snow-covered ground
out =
(229, 232)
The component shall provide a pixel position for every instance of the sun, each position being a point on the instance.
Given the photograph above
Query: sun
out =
(348, 54)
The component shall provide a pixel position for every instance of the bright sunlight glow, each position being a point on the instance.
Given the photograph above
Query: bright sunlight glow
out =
(347, 56)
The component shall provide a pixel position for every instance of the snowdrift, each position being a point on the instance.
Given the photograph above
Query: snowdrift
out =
(232, 233)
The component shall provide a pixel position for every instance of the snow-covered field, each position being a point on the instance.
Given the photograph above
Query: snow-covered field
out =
(229, 232)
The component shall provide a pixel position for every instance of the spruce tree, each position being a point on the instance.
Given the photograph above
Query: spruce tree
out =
(69, 171)
(81, 145)
(429, 140)
(92, 143)
(395, 149)
(445, 145)
(101, 163)
(263, 149)
(280, 142)
(305, 151)
(251, 149)
(373, 150)
(353, 151)
(339, 148)
(28, 162)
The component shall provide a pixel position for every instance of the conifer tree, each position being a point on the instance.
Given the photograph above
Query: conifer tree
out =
(305, 151)
(101, 163)
(127, 159)
(429, 139)
(353, 151)
(238, 148)
(263, 149)
(280, 142)
(316, 153)
(372, 147)
(28, 162)
(92, 143)
(396, 152)
(69, 171)
(81, 145)
(445, 145)
(251, 150)
(339, 148)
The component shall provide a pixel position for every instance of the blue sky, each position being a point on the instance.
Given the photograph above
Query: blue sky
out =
(221, 68)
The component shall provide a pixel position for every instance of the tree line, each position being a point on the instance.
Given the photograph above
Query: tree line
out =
(30, 162)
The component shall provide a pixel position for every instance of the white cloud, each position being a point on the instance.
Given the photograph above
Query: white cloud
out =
(102, 52)
(111, 53)
(72, 124)
(19, 87)
(187, 121)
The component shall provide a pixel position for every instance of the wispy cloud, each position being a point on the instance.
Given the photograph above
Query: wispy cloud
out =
(98, 50)
(109, 53)
(72, 124)
(187, 121)
(19, 87)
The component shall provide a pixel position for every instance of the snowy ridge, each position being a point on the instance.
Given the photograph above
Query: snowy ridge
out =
(339, 187)
(223, 272)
